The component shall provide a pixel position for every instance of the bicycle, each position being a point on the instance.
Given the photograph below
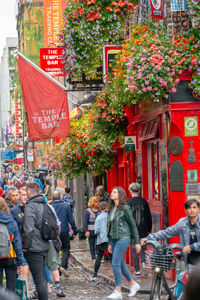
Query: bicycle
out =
(164, 258)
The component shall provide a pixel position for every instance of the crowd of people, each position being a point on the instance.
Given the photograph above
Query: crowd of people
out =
(22, 204)
(111, 223)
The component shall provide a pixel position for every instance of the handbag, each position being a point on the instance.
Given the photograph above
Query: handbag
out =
(57, 243)
(21, 289)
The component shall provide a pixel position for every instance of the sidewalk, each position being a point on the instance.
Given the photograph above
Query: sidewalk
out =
(80, 252)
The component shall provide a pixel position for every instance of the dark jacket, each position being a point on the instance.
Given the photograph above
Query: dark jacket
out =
(141, 214)
(13, 231)
(123, 225)
(64, 215)
(18, 215)
(33, 214)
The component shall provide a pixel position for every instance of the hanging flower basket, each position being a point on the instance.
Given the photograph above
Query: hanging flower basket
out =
(196, 96)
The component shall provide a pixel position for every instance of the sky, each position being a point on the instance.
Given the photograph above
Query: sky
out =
(7, 22)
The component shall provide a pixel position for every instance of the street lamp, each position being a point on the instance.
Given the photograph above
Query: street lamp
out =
(23, 143)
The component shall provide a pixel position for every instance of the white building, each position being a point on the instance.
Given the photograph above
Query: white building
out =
(6, 81)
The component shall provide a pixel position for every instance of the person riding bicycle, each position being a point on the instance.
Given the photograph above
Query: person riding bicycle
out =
(188, 230)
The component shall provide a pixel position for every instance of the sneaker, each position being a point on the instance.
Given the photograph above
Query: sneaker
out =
(134, 289)
(137, 274)
(64, 272)
(94, 276)
(60, 293)
(115, 295)
(144, 269)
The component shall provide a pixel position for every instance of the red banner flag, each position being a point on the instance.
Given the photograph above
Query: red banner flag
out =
(45, 102)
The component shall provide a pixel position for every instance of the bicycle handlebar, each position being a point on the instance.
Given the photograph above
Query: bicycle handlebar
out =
(155, 244)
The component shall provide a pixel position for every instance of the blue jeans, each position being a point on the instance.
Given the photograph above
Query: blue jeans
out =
(47, 274)
(119, 248)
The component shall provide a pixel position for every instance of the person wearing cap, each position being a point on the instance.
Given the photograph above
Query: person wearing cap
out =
(142, 215)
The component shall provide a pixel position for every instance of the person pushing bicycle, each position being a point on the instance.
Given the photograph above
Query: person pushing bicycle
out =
(188, 230)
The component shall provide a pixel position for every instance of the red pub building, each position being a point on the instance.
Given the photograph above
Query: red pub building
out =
(166, 156)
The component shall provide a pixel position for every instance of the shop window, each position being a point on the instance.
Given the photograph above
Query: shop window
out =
(149, 130)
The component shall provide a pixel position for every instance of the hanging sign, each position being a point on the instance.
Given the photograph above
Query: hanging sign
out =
(156, 9)
(109, 57)
(52, 10)
(51, 61)
(130, 143)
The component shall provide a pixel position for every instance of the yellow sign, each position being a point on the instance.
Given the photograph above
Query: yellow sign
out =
(75, 113)
(16, 169)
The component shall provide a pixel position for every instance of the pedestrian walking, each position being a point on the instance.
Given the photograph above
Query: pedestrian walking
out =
(100, 226)
(65, 216)
(101, 193)
(12, 263)
(66, 197)
(34, 246)
(21, 182)
(12, 196)
(142, 216)
(8, 184)
(18, 214)
(121, 228)
(90, 216)
(47, 190)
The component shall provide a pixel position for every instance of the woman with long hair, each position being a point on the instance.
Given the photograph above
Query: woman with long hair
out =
(121, 228)
(90, 215)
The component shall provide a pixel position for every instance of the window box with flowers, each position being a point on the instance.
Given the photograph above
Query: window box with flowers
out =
(188, 45)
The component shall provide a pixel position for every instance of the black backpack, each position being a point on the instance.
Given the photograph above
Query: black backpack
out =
(49, 229)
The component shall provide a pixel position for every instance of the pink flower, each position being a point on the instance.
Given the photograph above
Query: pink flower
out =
(149, 88)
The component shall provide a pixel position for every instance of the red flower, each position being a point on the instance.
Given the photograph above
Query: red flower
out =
(91, 2)
(93, 15)
(108, 8)
(81, 10)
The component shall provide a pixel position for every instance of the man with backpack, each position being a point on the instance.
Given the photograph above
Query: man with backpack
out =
(142, 216)
(34, 244)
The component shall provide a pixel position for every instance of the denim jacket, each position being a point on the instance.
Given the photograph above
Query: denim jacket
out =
(100, 226)
(181, 229)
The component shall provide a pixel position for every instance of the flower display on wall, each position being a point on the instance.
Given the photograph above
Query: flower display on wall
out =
(88, 25)
(193, 8)
(86, 150)
(188, 45)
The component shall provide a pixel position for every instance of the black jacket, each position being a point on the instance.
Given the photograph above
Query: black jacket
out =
(33, 213)
(141, 214)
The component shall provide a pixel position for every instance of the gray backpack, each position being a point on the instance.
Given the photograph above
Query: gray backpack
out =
(4, 241)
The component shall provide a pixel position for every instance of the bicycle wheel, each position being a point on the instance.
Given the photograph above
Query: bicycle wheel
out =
(156, 288)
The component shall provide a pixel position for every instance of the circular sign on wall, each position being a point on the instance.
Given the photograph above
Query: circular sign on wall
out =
(191, 124)
(30, 152)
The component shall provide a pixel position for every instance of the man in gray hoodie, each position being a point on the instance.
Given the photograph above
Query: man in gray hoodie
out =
(35, 248)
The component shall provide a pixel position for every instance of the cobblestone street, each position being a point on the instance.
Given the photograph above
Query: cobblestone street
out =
(79, 286)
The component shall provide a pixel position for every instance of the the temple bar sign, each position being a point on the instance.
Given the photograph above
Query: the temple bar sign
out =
(51, 61)
(130, 143)
(191, 126)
